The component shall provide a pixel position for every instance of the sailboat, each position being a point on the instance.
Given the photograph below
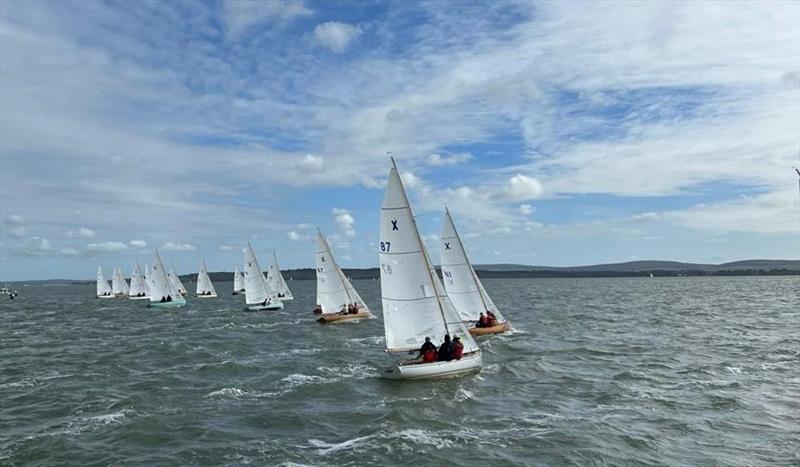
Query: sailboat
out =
(462, 284)
(176, 282)
(163, 294)
(103, 289)
(238, 282)
(205, 289)
(146, 280)
(335, 293)
(275, 283)
(255, 285)
(138, 289)
(415, 304)
(119, 287)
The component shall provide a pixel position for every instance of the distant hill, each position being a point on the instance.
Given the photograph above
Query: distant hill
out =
(750, 267)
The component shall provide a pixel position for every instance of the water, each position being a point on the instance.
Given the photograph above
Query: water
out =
(678, 371)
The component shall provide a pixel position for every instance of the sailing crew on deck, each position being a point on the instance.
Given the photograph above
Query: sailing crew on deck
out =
(427, 351)
(458, 348)
(491, 319)
(445, 350)
(481, 321)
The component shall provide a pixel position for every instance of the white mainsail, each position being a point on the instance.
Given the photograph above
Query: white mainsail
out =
(160, 285)
(103, 289)
(176, 281)
(204, 285)
(138, 285)
(462, 284)
(255, 286)
(275, 284)
(334, 290)
(415, 304)
(238, 281)
(146, 280)
(119, 286)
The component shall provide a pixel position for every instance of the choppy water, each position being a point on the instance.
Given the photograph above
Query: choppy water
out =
(680, 371)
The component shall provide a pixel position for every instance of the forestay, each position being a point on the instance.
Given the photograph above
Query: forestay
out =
(102, 285)
(204, 285)
(462, 284)
(414, 302)
(334, 291)
(255, 286)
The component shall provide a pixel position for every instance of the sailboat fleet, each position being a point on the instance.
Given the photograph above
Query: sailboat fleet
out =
(418, 308)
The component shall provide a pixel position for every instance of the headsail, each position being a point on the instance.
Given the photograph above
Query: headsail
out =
(238, 280)
(334, 290)
(160, 285)
(462, 284)
(275, 284)
(137, 287)
(176, 281)
(255, 286)
(118, 284)
(414, 302)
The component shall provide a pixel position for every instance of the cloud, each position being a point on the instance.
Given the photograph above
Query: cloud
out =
(521, 187)
(69, 252)
(294, 236)
(14, 219)
(137, 243)
(336, 36)
(106, 247)
(37, 246)
(226, 248)
(646, 217)
(344, 219)
(410, 180)
(525, 209)
(311, 163)
(304, 225)
(242, 15)
(17, 231)
(170, 246)
(82, 232)
(438, 160)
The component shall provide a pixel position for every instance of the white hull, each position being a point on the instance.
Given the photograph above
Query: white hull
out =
(267, 307)
(285, 299)
(106, 296)
(206, 296)
(139, 298)
(468, 364)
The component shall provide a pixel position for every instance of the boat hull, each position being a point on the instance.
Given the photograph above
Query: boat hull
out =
(139, 298)
(106, 296)
(452, 369)
(206, 296)
(499, 329)
(267, 307)
(286, 299)
(172, 304)
(337, 318)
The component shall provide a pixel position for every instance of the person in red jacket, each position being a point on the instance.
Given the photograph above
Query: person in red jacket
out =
(458, 348)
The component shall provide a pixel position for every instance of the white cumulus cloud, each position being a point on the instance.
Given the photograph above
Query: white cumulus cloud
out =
(137, 243)
(14, 219)
(437, 160)
(522, 187)
(525, 209)
(83, 232)
(294, 236)
(312, 163)
(170, 246)
(344, 219)
(242, 15)
(336, 36)
(106, 247)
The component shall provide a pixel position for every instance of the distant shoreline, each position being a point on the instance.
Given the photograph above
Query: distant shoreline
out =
(518, 271)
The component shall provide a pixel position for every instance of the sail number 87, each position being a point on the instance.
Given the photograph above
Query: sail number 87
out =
(385, 246)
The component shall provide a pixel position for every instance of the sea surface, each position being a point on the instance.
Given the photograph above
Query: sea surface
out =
(635, 371)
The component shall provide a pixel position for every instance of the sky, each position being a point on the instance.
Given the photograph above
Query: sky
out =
(558, 133)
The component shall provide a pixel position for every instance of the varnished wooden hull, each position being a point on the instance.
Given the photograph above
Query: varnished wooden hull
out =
(499, 329)
(337, 318)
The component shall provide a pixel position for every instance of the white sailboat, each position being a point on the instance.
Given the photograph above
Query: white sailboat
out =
(176, 282)
(415, 304)
(119, 286)
(255, 285)
(103, 289)
(163, 294)
(138, 288)
(146, 280)
(238, 282)
(205, 289)
(462, 284)
(335, 294)
(275, 283)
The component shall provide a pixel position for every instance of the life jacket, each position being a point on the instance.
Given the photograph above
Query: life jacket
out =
(429, 356)
(458, 350)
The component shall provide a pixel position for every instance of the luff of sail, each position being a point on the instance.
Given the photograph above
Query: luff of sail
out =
(204, 285)
(255, 286)
(460, 281)
(334, 291)
(415, 305)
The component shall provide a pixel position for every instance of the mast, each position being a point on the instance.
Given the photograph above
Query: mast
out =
(422, 248)
(469, 263)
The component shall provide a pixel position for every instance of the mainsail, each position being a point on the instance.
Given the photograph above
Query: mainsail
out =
(255, 286)
(462, 284)
(160, 285)
(415, 304)
(238, 280)
(176, 282)
(204, 285)
(137, 287)
(118, 284)
(102, 285)
(275, 284)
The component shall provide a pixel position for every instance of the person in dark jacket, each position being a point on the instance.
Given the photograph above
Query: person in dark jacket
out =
(427, 351)
(446, 350)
